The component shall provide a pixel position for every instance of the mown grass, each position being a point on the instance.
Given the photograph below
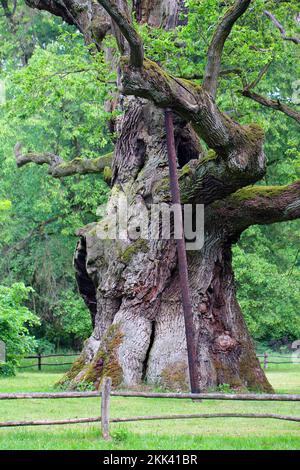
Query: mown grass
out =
(192, 434)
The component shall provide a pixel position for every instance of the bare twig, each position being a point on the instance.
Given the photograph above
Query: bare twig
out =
(260, 76)
(267, 102)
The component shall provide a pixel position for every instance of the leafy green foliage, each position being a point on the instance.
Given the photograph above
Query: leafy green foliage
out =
(5, 205)
(71, 321)
(15, 320)
(60, 96)
(55, 103)
(268, 281)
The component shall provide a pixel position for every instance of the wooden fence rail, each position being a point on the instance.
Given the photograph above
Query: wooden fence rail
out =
(52, 355)
(193, 396)
(39, 358)
(106, 394)
(105, 424)
(274, 355)
(264, 358)
(213, 396)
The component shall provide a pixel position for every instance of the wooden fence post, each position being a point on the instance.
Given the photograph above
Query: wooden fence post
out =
(39, 362)
(265, 360)
(105, 399)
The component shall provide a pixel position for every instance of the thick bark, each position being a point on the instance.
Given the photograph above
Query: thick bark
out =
(88, 16)
(139, 325)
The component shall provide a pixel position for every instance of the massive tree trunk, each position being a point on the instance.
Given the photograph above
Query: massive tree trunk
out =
(131, 284)
(139, 326)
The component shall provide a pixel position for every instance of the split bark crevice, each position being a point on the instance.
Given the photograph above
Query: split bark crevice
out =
(85, 284)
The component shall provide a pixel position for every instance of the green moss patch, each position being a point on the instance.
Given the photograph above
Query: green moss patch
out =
(252, 192)
(105, 362)
(139, 245)
(72, 373)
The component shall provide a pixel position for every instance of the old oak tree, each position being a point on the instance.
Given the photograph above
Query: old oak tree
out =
(132, 286)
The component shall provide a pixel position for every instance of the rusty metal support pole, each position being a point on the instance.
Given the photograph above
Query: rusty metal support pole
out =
(182, 258)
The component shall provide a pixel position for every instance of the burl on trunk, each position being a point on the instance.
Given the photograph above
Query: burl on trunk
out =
(131, 285)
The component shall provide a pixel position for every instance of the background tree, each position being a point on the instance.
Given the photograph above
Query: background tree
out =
(15, 320)
(37, 239)
(138, 325)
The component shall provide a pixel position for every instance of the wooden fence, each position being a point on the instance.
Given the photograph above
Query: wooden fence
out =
(40, 357)
(106, 394)
(265, 358)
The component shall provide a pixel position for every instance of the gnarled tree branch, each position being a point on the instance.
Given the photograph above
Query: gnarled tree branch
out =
(230, 140)
(273, 104)
(209, 179)
(215, 50)
(260, 205)
(281, 29)
(125, 25)
(269, 103)
(59, 168)
(89, 17)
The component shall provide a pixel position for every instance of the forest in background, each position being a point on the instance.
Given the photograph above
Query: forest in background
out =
(55, 102)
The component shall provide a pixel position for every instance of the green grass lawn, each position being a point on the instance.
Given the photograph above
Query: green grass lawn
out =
(228, 433)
